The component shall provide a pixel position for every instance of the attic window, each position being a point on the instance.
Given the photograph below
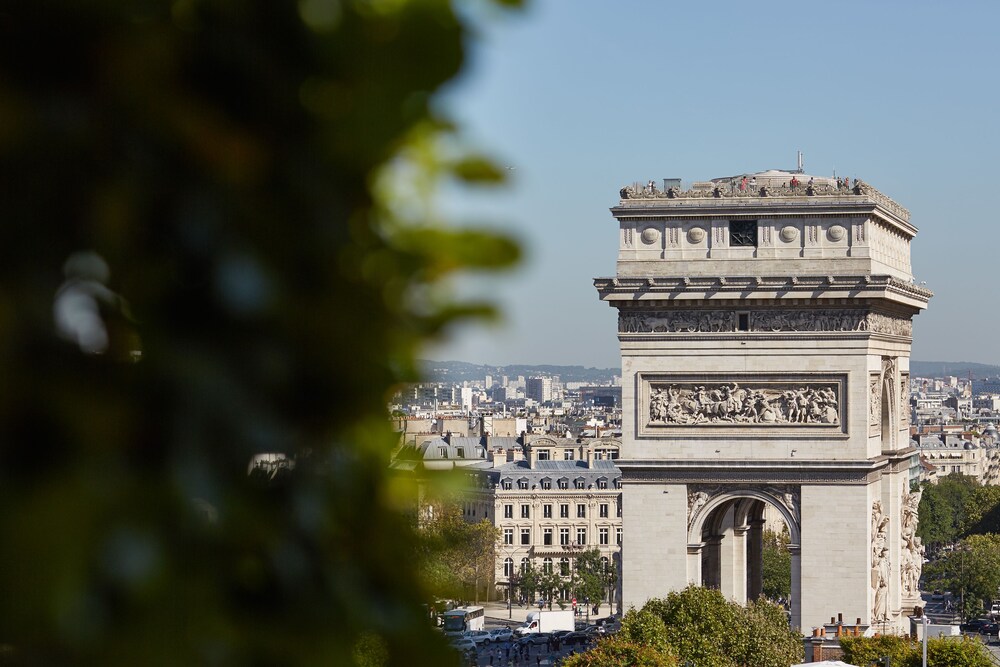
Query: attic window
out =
(743, 233)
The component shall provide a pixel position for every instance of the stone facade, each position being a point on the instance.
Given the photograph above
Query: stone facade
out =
(765, 346)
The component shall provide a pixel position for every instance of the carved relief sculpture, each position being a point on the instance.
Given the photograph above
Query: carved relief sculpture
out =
(880, 571)
(913, 550)
(696, 500)
(719, 321)
(795, 404)
(875, 401)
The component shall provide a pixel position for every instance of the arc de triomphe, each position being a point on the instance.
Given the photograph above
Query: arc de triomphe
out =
(765, 338)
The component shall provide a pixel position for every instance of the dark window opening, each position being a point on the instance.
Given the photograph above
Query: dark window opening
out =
(743, 233)
(744, 323)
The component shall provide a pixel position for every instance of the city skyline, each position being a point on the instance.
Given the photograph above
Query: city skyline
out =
(577, 100)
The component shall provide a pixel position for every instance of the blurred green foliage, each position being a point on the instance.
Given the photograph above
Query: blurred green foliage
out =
(459, 556)
(230, 162)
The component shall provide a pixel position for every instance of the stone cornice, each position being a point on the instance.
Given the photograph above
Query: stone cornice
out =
(812, 287)
(638, 471)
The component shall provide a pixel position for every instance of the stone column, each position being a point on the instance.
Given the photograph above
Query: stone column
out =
(710, 562)
(755, 551)
(795, 551)
(694, 563)
(734, 559)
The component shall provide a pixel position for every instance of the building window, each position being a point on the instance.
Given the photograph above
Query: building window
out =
(581, 511)
(525, 536)
(522, 484)
(547, 511)
(563, 536)
(580, 484)
(563, 483)
(546, 484)
(543, 455)
(567, 455)
(564, 511)
(508, 536)
(564, 567)
(603, 536)
(581, 535)
(506, 485)
(461, 452)
(525, 511)
(618, 536)
(604, 510)
(604, 563)
(525, 561)
(743, 233)
(508, 567)
(619, 504)
(547, 537)
(547, 566)
(602, 483)
(508, 511)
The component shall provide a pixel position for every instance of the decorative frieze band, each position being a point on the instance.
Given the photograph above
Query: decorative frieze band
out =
(724, 321)
(790, 402)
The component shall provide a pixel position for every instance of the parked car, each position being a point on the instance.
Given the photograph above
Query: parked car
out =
(575, 639)
(983, 626)
(479, 636)
(534, 638)
(502, 634)
(937, 595)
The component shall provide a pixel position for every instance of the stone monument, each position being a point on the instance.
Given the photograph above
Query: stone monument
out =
(765, 337)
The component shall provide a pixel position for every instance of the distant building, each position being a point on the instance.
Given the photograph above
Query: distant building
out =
(551, 498)
(539, 389)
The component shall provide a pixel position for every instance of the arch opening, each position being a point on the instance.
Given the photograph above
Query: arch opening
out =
(732, 540)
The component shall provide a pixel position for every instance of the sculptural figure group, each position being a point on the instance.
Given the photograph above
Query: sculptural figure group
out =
(730, 403)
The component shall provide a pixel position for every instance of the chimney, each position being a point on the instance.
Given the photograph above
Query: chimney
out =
(588, 452)
(532, 456)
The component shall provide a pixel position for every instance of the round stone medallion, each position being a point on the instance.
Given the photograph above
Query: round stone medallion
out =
(696, 235)
(836, 233)
(650, 235)
(789, 234)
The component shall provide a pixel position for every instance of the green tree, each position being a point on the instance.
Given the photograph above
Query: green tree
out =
(710, 631)
(906, 652)
(943, 507)
(239, 194)
(641, 641)
(459, 555)
(776, 565)
(982, 511)
(971, 571)
(588, 585)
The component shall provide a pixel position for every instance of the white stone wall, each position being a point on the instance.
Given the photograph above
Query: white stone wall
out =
(654, 542)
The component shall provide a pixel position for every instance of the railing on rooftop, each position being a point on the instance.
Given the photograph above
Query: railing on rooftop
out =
(726, 191)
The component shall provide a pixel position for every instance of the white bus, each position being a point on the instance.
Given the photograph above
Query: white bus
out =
(462, 619)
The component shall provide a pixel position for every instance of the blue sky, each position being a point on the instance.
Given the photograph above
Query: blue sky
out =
(581, 97)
